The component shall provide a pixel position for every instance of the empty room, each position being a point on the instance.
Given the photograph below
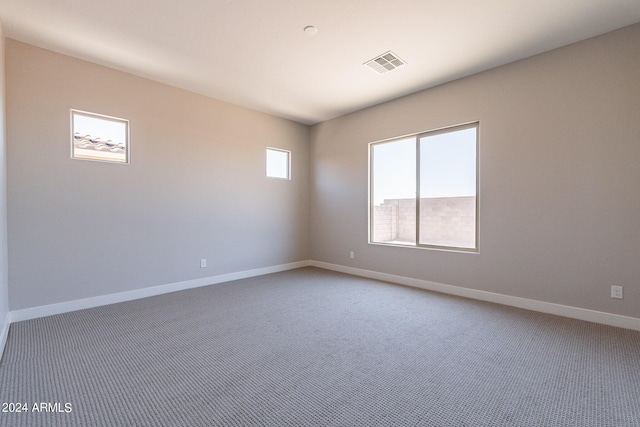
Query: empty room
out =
(320, 213)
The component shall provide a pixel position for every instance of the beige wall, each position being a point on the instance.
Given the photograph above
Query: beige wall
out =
(195, 188)
(559, 204)
(4, 287)
(559, 175)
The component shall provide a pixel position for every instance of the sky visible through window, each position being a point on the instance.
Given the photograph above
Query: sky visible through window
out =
(447, 166)
(277, 163)
(100, 127)
(394, 170)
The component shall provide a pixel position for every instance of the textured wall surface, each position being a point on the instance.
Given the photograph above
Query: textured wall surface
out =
(196, 186)
(558, 174)
(558, 178)
(4, 286)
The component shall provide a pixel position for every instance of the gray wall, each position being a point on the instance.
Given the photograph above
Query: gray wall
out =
(195, 188)
(4, 287)
(559, 203)
(559, 177)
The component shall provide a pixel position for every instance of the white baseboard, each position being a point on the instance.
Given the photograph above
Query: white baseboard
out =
(4, 333)
(529, 304)
(80, 304)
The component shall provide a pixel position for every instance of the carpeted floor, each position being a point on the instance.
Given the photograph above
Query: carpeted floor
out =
(316, 348)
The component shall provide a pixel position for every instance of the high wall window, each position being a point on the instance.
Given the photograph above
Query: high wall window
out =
(98, 137)
(278, 163)
(424, 189)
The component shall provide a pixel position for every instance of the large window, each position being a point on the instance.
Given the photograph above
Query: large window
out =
(424, 189)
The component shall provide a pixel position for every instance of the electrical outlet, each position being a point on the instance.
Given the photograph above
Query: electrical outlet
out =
(203, 263)
(616, 292)
(352, 254)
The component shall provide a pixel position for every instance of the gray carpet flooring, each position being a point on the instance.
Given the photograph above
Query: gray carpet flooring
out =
(310, 347)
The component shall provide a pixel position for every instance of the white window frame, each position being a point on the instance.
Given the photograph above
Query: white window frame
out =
(279, 150)
(417, 137)
(97, 157)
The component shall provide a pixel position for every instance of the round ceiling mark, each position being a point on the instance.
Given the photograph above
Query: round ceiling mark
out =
(310, 30)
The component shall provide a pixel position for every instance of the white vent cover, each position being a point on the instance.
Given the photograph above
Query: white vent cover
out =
(385, 62)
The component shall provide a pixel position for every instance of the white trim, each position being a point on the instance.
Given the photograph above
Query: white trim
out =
(528, 304)
(80, 304)
(4, 333)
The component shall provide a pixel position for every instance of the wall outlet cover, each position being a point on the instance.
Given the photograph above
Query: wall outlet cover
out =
(616, 292)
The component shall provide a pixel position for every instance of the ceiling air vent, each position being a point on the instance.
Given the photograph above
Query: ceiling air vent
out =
(385, 62)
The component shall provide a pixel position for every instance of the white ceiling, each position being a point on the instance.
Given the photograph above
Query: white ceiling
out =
(254, 53)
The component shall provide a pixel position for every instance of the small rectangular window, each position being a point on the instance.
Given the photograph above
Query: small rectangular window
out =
(278, 163)
(99, 137)
(424, 189)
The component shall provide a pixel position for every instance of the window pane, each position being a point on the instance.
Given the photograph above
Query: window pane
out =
(393, 195)
(96, 137)
(448, 188)
(277, 163)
